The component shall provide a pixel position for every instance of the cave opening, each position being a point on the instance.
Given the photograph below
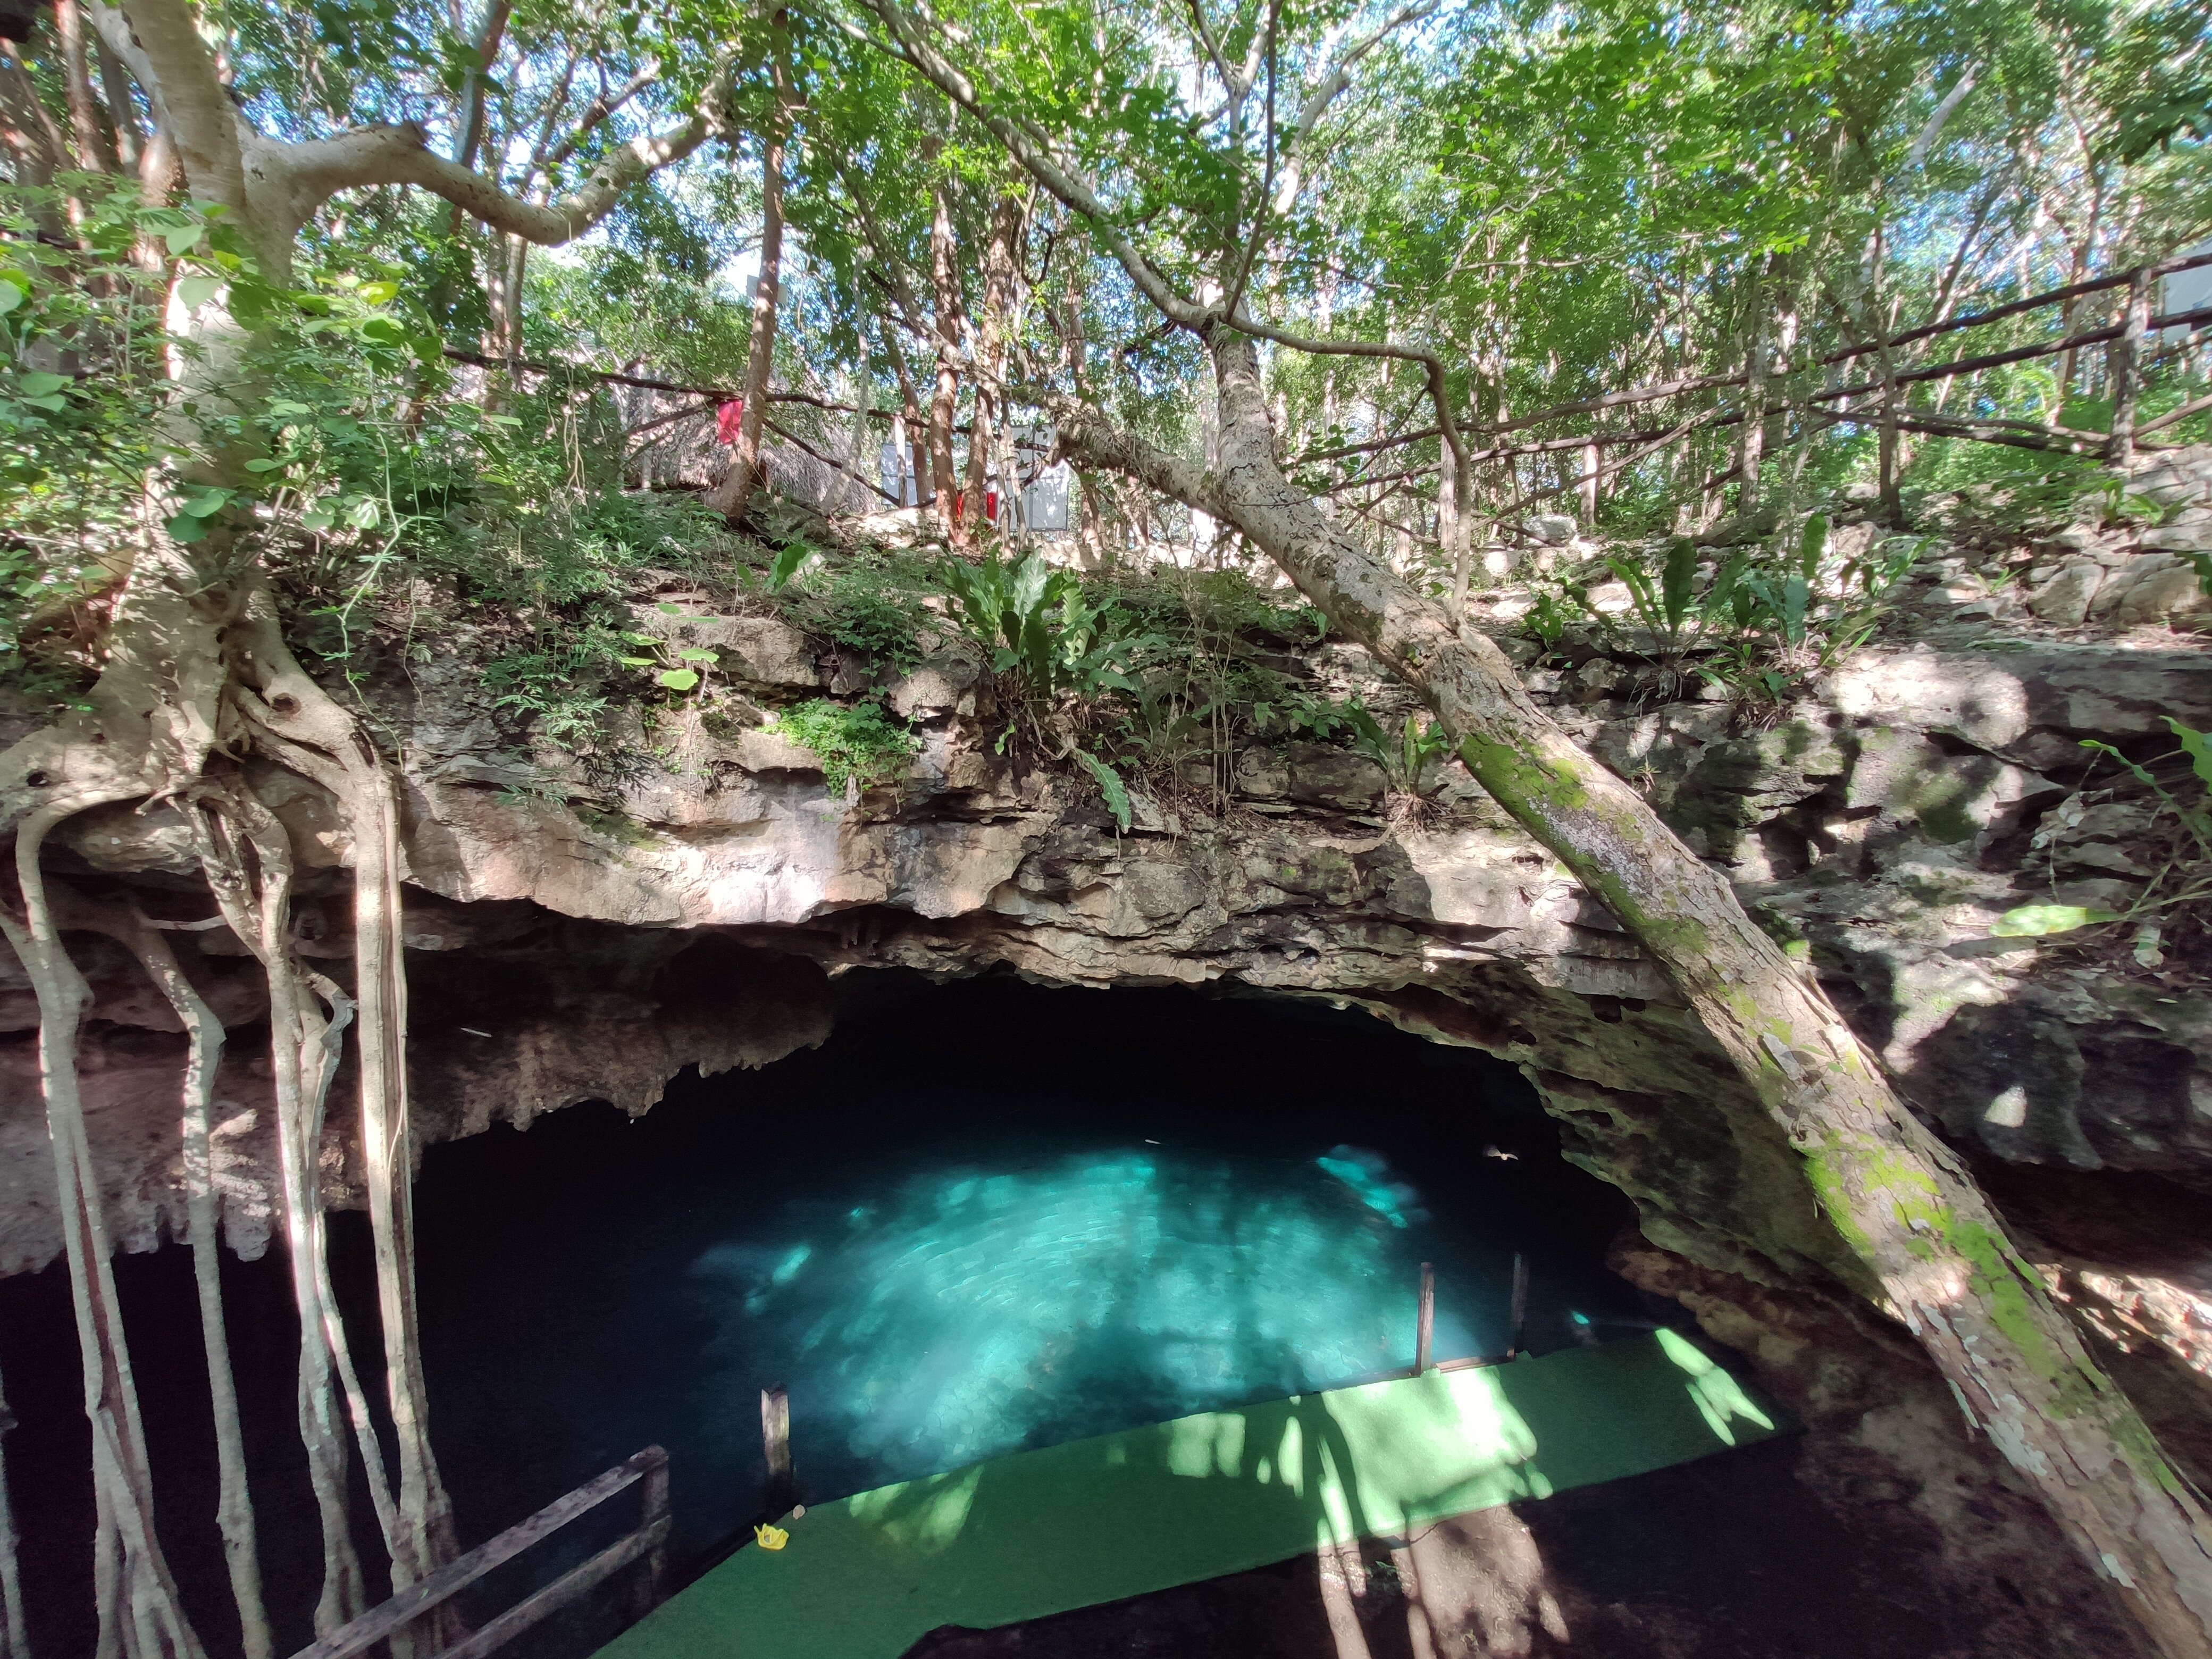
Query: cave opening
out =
(982, 1216)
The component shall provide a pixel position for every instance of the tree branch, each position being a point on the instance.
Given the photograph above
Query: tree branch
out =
(598, 110)
(1086, 436)
(1030, 149)
(486, 47)
(398, 155)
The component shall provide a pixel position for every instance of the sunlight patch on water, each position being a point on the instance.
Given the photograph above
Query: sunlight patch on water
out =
(967, 1312)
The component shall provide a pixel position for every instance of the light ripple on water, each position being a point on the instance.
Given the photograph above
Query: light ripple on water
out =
(969, 1312)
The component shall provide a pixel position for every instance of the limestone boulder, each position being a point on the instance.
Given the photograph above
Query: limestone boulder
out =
(2161, 595)
(2064, 600)
(1321, 775)
(763, 651)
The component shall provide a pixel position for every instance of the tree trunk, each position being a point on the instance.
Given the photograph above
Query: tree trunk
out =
(986, 436)
(944, 279)
(1933, 1252)
(1752, 455)
(732, 495)
(94, 147)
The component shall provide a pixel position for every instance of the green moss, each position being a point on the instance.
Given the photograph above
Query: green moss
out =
(1518, 780)
(616, 826)
(1994, 1277)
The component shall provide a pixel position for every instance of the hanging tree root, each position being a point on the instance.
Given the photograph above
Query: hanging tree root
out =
(205, 1034)
(140, 1609)
(294, 720)
(15, 1635)
(230, 827)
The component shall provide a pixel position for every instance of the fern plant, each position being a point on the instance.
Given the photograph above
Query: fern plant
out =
(1036, 623)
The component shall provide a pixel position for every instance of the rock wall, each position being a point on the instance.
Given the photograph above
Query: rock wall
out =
(561, 953)
(564, 945)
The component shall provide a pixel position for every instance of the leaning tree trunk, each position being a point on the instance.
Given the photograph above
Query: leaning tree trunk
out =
(1936, 1255)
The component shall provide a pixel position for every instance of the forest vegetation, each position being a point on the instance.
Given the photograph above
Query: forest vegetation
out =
(330, 324)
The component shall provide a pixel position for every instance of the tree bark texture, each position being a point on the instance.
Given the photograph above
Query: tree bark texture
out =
(1929, 1249)
(945, 280)
(15, 1634)
(140, 1603)
(204, 1038)
(986, 435)
(734, 493)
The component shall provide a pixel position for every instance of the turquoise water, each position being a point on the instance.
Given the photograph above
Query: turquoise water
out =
(943, 1260)
(967, 1309)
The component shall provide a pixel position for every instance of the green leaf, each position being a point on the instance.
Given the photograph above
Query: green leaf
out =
(693, 654)
(182, 239)
(207, 503)
(2197, 746)
(186, 529)
(37, 384)
(364, 513)
(1110, 785)
(193, 292)
(13, 293)
(1812, 544)
(637, 662)
(788, 562)
(378, 293)
(263, 464)
(678, 679)
(286, 406)
(2036, 920)
(668, 609)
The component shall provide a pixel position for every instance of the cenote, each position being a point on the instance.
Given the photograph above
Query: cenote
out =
(982, 1217)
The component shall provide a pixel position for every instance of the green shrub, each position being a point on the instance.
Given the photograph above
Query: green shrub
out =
(856, 743)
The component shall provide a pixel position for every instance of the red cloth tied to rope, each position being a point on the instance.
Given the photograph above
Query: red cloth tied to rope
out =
(726, 418)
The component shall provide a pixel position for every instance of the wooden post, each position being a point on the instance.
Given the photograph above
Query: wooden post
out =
(1520, 1302)
(1425, 1327)
(2123, 362)
(775, 1443)
(653, 1572)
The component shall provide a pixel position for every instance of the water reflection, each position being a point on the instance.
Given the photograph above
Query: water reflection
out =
(969, 1311)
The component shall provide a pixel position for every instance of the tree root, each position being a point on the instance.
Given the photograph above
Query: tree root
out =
(15, 1636)
(257, 912)
(205, 1034)
(139, 1603)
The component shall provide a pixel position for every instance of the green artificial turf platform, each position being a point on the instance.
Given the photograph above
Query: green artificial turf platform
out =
(1042, 1532)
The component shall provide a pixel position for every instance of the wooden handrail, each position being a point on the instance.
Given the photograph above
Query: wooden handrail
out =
(1977, 319)
(649, 1540)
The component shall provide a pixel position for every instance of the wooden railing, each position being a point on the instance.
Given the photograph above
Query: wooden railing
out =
(645, 1548)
